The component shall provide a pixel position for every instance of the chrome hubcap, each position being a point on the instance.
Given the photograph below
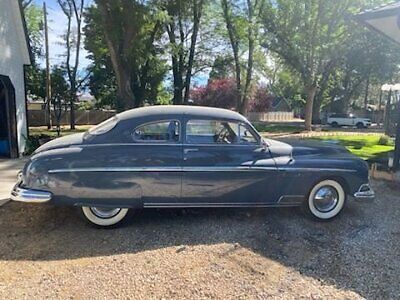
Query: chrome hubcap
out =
(104, 212)
(326, 199)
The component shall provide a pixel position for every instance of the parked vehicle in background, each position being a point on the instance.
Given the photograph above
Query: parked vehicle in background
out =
(337, 120)
(186, 156)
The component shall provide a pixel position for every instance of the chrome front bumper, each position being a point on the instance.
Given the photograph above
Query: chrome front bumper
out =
(28, 195)
(365, 192)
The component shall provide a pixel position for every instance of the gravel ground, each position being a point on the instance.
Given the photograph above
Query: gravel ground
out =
(48, 252)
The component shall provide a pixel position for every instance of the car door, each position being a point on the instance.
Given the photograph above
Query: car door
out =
(156, 157)
(221, 165)
(342, 121)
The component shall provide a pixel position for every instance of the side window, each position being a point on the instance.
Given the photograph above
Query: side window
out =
(162, 131)
(246, 136)
(211, 132)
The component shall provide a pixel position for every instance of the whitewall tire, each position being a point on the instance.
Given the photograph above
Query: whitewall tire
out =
(104, 217)
(326, 200)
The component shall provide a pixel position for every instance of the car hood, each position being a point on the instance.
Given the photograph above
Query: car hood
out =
(62, 142)
(308, 147)
(295, 148)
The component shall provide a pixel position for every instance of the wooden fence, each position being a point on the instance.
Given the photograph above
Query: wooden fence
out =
(82, 117)
(274, 116)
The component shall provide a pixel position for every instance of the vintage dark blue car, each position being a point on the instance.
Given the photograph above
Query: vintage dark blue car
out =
(187, 156)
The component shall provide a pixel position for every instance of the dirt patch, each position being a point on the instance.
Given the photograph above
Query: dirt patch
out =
(204, 253)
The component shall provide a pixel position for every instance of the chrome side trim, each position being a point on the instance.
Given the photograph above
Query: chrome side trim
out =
(160, 169)
(117, 169)
(301, 197)
(29, 196)
(205, 205)
(192, 169)
(128, 144)
(317, 169)
(166, 144)
(365, 192)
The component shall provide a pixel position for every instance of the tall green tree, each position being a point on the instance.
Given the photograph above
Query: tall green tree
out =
(182, 26)
(130, 31)
(242, 25)
(222, 67)
(307, 36)
(35, 75)
(73, 10)
(312, 37)
(60, 94)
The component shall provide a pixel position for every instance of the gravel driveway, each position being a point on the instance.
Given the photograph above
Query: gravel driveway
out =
(48, 252)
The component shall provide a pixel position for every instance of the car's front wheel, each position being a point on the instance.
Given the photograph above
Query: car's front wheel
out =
(326, 200)
(360, 125)
(104, 216)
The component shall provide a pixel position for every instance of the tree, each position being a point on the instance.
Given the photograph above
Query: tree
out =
(60, 94)
(26, 3)
(242, 25)
(222, 67)
(182, 27)
(35, 76)
(308, 36)
(127, 69)
(73, 10)
(367, 62)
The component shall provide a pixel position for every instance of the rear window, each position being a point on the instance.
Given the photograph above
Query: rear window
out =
(104, 127)
(159, 131)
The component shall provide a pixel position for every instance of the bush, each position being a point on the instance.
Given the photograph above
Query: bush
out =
(35, 141)
(261, 100)
(218, 93)
(384, 140)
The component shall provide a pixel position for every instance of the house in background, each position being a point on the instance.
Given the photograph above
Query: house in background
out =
(280, 104)
(14, 55)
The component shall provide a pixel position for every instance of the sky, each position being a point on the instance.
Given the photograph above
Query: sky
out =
(57, 23)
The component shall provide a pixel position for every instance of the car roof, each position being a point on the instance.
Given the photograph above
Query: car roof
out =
(192, 111)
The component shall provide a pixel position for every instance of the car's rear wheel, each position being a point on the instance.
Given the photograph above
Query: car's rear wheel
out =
(326, 200)
(104, 216)
(335, 124)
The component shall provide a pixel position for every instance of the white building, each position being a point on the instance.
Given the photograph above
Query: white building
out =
(14, 55)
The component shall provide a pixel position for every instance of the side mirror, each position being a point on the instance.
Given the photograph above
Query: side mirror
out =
(264, 145)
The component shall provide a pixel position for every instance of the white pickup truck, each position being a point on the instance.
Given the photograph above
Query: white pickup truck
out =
(338, 120)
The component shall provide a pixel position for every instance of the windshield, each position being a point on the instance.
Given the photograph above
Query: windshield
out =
(104, 127)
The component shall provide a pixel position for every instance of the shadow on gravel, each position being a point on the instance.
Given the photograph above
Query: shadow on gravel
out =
(357, 251)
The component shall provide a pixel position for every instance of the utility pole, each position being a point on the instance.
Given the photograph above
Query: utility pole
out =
(380, 115)
(48, 78)
(396, 158)
(387, 113)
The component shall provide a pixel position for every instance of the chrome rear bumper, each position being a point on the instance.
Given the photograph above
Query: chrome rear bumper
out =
(365, 192)
(28, 195)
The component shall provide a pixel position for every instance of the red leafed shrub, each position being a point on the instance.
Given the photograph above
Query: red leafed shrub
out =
(218, 93)
(261, 100)
(223, 93)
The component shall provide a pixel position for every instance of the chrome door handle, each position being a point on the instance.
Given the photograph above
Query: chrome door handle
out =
(186, 151)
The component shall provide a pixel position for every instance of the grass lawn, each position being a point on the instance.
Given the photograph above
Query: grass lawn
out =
(281, 128)
(365, 146)
(34, 131)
